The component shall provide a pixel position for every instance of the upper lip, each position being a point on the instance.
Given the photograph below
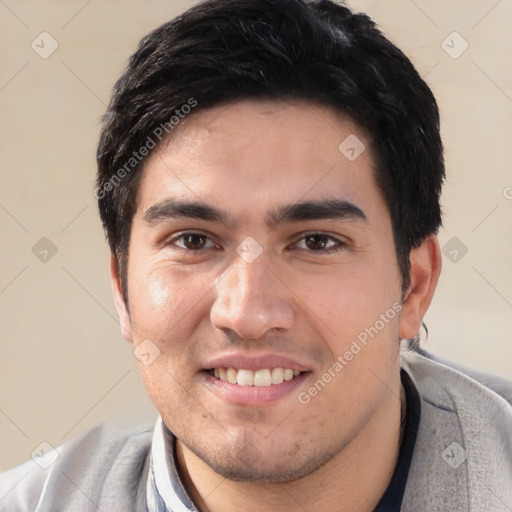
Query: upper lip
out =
(254, 362)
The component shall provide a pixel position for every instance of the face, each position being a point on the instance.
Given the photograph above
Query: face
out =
(263, 275)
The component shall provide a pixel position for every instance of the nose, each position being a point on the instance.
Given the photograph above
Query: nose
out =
(251, 300)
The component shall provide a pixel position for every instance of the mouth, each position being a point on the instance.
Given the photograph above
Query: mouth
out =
(258, 379)
(263, 377)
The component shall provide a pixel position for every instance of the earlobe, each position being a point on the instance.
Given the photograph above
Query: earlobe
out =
(425, 270)
(122, 310)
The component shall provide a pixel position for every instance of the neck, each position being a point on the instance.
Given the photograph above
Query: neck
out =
(354, 480)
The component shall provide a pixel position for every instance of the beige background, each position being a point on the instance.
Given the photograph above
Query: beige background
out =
(63, 363)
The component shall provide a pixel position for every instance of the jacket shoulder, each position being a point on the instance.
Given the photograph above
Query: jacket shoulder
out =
(94, 467)
(500, 385)
(463, 454)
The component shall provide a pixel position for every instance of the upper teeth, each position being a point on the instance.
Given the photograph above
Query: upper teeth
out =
(264, 377)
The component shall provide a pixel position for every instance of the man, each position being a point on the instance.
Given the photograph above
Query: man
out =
(269, 175)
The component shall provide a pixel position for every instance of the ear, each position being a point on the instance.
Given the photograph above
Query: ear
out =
(425, 270)
(122, 310)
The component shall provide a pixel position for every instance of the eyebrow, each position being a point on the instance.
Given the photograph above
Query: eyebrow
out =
(330, 209)
(173, 209)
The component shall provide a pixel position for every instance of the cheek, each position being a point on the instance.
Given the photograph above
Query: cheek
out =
(343, 299)
(355, 312)
(166, 309)
(164, 302)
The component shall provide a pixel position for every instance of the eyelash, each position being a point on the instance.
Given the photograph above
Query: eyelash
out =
(339, 245)
(181, 236)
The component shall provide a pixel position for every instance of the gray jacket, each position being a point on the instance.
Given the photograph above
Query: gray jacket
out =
(462, 459)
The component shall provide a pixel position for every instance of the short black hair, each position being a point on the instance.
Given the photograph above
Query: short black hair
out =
(221, 51)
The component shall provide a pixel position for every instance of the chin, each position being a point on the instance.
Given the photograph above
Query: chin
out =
(249, 464)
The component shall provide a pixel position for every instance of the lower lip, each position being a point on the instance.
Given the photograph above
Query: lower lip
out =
(253, 395)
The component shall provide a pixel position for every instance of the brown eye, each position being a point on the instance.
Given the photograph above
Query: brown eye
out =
(194, 241)
(321, 243)
(316, 242)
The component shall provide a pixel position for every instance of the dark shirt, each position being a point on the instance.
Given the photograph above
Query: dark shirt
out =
(391, 500)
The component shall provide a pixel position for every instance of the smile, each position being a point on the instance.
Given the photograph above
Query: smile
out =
(259, 378)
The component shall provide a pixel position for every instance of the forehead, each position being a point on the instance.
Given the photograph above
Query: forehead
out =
(251, 155)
